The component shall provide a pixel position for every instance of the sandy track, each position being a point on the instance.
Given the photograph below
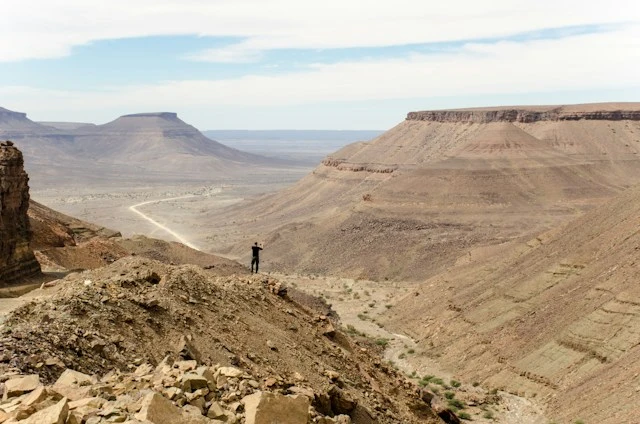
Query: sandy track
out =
(180, 238)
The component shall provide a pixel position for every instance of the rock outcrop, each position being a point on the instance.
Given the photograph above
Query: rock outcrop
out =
(608, 112)
(16, 258)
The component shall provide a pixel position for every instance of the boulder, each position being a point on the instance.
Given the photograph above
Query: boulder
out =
(35, 397)
(74, 385)
(230, 372)
(160, 410)
(269, 408)
(216, 411)
(56, 414)
(20, 385)
(192, 382)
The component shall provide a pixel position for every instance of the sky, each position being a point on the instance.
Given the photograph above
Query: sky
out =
(333, 64)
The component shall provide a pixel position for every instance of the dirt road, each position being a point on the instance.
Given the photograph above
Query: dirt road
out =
(168, 230)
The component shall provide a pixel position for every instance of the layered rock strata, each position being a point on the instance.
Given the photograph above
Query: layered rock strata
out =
(17, 260)
(527, 115)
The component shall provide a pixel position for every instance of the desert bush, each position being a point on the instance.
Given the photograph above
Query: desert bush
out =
(456, 403)
(455, 383)
(488, 415)
(449, 395)
(411, 351)
(382, 342)
(367, 197)
(464, 416)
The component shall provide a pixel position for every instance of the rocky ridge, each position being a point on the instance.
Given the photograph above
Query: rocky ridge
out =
(17, 260)
(529, 115)
(139, 311)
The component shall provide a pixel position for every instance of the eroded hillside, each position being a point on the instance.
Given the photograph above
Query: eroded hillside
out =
(555, 319)
(408, 203)
(139, 311)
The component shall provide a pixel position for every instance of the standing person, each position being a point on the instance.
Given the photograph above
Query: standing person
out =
(255, 258)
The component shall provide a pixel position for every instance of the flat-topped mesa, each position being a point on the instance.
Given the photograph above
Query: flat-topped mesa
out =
(17, 260)
(165, 115)
(601, 112)
(6, 114)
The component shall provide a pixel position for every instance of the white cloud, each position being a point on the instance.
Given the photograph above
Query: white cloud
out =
(583, 62)
(46, 29)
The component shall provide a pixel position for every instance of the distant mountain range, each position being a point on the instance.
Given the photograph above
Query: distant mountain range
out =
(146, 145)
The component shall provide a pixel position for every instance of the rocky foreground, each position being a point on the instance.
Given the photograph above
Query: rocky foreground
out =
(141, 341)
(182, 391)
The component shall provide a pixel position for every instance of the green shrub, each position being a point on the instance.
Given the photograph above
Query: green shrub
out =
(428, 377)
(449, 395)
(488, 415)
(388, 306)
(402, 356)
(464, 416)
(456, 403)
(382, 342)
(455, 383)
(475, 384)
(411, 351)
(437, 381)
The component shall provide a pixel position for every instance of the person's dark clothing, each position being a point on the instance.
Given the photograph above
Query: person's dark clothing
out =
(255, 259)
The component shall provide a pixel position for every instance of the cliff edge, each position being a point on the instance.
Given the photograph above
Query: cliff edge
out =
(17, 260)
(528, 114)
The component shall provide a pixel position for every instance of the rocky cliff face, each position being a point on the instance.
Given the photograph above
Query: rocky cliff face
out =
(16, 258)
(608, 112)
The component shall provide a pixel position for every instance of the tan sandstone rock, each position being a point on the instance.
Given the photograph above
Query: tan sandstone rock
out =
(56, 414)
(269, 408)
(20, 385)
(159, 410)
